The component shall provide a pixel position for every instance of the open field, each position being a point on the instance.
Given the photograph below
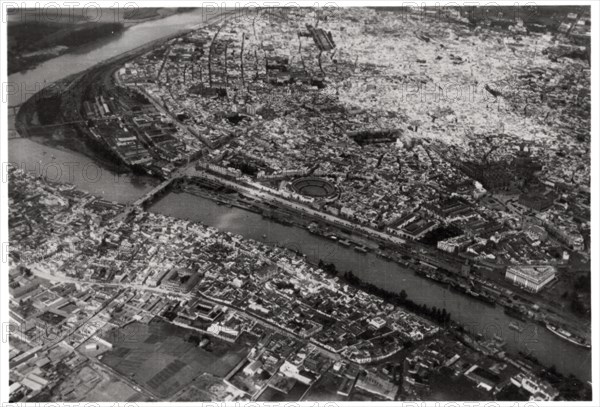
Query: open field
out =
(93, 384)
(325, 389)
(159, 357)
(205, 388)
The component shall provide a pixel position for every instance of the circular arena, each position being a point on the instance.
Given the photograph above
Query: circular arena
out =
(314, 187)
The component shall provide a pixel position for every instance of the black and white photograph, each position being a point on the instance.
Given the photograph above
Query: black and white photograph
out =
(303, 204)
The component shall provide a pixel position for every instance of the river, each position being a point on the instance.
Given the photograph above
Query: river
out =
(68, 166)
(23, 85)
(72, 167)
(475, 316)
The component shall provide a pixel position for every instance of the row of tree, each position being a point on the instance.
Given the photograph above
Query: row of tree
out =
(439, 315)
(569, 387)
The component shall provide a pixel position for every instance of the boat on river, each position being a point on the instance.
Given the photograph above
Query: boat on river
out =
(361, 249)
(568, 336)
(515, 327)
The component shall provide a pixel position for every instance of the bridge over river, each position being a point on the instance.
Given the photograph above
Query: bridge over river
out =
(158, 190)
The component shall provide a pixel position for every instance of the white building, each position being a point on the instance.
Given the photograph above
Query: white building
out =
(531, 278)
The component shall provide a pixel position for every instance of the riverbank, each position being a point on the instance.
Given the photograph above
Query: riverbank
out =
(413, 256)
(27, 83)
(34, 40)
(61, 103)
(219, 209)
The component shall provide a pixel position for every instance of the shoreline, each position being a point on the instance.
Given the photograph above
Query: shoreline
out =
(51, 51)
(68, 86)
(47, 53)
(418, 262)
(288, 217)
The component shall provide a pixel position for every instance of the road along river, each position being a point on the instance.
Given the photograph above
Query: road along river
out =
(474, 315)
